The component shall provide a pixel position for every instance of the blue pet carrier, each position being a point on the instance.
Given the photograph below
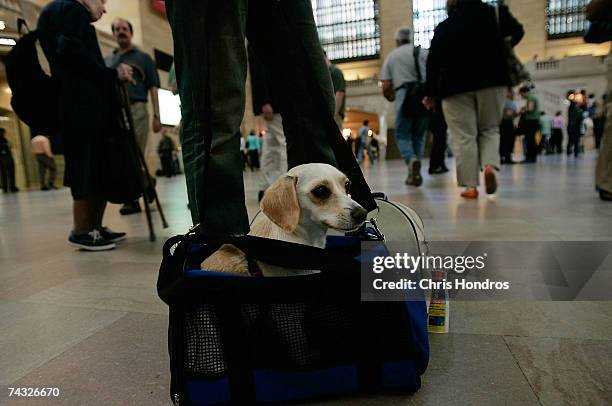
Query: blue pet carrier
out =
(242, 340)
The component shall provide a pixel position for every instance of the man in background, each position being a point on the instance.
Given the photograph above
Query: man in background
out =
(405, 68)
(339, 85)
(365, 142)
(41, 148)
(575, 117)
(546, 131)
(145, 82)
(532, 124)
(507, 129)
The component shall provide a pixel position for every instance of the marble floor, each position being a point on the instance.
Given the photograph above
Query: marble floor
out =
(92, 325)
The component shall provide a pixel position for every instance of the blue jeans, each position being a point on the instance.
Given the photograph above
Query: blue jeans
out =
(409, 131)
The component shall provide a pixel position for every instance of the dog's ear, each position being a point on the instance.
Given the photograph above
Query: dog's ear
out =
(280, 203)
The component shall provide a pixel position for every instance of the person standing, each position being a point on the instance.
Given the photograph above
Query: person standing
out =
(339, 86)
(532, 124)
(507, 129)
(254, 147)
(556, 139)
(598, 10)
(165, 150)
(144, 83)
(402, 73)
(467, 69)
(208, 35)
(575, 116)
(546, 131)
(41, 148)
(7, 164)
(76, 62)
(273, 142)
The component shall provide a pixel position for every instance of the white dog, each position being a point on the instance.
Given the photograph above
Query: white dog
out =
(299, 207)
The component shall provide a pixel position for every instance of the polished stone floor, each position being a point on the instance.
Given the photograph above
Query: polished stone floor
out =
(92, 325)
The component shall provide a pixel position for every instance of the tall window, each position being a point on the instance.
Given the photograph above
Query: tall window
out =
(427, 14)
(348, 29)
(566, 18)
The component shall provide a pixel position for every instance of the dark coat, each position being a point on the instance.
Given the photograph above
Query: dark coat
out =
(467, 51)
(85, 90)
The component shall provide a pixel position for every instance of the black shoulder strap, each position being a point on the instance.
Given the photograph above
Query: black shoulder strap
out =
(417, 64)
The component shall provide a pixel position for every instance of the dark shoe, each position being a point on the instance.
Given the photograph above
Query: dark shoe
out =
(14, 189)
(605, 196)
(415, 170)
(112, 236)
(130, 208)
(490, 180)
(45, 188)
(438, 170)
(92, 241)
(52, 187)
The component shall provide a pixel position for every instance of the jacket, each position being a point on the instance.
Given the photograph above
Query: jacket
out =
(467, 51)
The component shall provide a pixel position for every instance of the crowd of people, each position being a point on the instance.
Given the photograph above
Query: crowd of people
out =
(301, 120)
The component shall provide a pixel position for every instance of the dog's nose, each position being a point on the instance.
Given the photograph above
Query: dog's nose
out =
(359, 214)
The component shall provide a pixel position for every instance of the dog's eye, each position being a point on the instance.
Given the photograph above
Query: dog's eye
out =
(321, 192)
(347, 187)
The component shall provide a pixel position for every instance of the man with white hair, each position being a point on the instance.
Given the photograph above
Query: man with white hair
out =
(403, 74)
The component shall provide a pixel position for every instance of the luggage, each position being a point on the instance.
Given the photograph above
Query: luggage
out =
(243, 340)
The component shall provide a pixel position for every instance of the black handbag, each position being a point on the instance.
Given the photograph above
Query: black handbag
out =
(599, 31)
(412, 105)
(517, 72)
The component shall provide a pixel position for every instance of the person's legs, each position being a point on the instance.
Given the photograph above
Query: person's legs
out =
(531, 127)
(490, 104)
(4, 174)
(438, 129)
(211, 72)
(42, 170)
(461, 116)
(52, 172)
(84, 215)
(285, 34)
(11, 175)
(140, 115)
(274, 154)
(419, 131)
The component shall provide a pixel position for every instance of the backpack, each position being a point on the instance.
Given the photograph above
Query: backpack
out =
(35, 94)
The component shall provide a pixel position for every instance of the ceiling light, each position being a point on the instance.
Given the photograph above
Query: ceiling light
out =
(8, 42)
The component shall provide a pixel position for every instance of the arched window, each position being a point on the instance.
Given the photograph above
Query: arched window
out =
(565, 18)
(427, 14)
(348, 29)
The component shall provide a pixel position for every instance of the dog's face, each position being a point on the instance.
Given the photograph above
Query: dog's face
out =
(313, 196)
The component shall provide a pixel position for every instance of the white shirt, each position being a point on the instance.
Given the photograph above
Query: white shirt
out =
(399, 67)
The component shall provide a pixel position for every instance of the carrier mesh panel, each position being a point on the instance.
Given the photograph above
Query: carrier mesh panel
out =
(203, 342)
(280, 336)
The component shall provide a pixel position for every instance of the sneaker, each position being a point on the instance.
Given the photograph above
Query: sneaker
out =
(438, 170)
(605, 196)
(92, 241)
(130, 208)
(415, 170)
(45, 189)
(490, 180)
(111, 235)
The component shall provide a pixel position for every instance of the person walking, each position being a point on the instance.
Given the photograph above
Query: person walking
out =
(76, 62)
(556, 138)
(439, 129)
(403, 74)
(7, 165)
(467, 69)
(144, 84)
(364, 135)
(546, 131)
(165, 150)
(507, 129)
(41, 148)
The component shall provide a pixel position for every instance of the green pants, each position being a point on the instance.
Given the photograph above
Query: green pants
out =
(211, 62)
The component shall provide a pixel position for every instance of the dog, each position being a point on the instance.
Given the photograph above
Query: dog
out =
(299, 207)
